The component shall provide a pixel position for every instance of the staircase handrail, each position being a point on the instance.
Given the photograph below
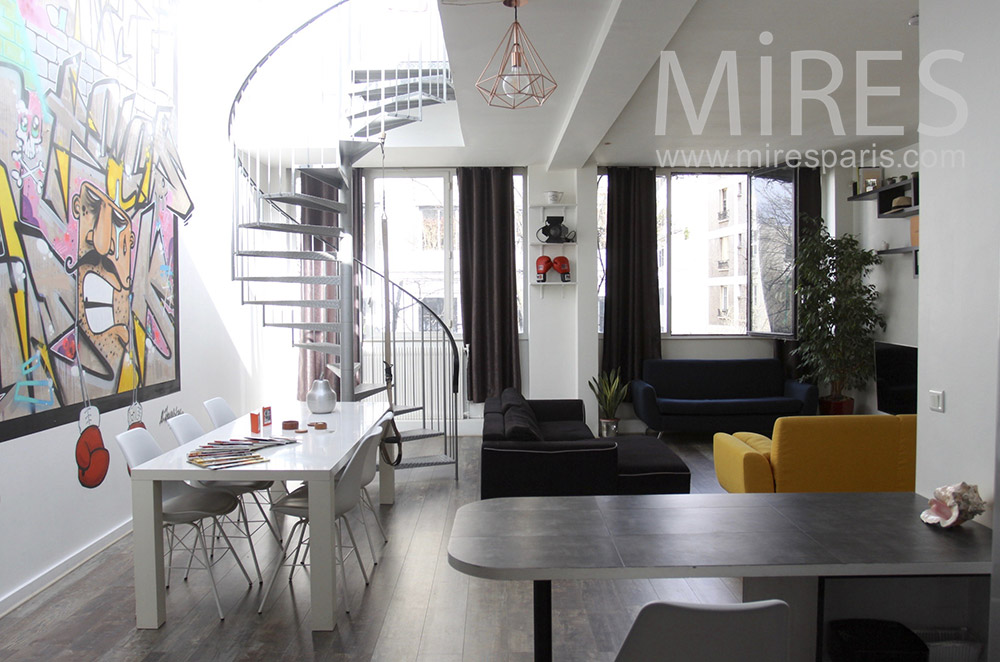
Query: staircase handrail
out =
(451, 338)
(274, 49)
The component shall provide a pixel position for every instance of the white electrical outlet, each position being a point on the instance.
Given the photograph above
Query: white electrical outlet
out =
(937, 400)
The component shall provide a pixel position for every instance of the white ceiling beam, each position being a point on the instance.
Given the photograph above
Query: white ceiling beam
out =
(628, 44)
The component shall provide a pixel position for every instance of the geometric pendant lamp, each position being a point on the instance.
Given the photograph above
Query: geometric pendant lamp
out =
(515, 76)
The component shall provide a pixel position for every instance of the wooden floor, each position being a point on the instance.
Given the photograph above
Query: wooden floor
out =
(416, 608)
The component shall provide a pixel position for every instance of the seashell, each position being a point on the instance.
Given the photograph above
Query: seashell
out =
(953, 504)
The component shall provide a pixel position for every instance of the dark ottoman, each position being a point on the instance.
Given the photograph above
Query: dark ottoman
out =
(647, 466)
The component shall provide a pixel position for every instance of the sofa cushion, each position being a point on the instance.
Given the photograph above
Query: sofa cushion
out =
(520, 424)
(647, 466)
(511, 397)
(714, 378)
(722, 407)
(565, 430)
(758, 442)
(493, 426)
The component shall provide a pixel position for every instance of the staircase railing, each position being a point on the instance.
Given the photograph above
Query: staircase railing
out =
(341, 79)
(425, 363)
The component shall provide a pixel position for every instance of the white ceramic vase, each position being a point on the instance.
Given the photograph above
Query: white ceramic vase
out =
(321, 398)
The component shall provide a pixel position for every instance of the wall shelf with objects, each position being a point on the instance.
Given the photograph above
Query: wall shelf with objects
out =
(888, 193)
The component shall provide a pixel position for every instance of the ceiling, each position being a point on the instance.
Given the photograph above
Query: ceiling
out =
(605, 54)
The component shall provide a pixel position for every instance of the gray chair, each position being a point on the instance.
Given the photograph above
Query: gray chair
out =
(347, 496)
(219, 411)
(368, 469)
(183, 504)
(748, 632)
(186, 428)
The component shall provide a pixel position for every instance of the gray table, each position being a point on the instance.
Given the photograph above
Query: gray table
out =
(781, 544)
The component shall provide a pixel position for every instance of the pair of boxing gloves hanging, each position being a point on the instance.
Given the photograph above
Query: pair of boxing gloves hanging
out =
(544, 263)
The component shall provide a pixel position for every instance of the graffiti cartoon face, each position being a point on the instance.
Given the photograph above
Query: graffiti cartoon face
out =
(104, 279)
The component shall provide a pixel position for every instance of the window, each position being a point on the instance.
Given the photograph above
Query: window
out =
(725, 252)
(422, 211)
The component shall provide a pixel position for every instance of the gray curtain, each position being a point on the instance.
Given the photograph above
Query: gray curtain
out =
(631, 306)
(488, 277)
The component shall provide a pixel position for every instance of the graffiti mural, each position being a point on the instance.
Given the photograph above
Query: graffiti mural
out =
(91, 193)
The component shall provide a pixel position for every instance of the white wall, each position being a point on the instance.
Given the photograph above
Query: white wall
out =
(959, 297)
(221, 341)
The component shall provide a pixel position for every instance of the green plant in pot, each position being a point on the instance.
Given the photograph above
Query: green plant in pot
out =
(610, 390)
(837, 313)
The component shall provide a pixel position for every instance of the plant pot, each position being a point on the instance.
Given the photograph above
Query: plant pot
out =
(830, 407)
(608, 427)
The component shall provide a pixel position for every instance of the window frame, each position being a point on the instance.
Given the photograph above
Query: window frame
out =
(450, 268)
(748, 238)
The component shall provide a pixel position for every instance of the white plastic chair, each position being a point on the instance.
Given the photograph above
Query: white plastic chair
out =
(183, 504)
(368, 469)
(347, 496)
(748, 632)
(219, 411)
(186, 428)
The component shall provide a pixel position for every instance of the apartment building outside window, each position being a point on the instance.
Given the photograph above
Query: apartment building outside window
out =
(726, 258)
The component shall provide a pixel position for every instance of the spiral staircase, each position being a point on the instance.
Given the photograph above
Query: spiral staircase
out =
(293, 251)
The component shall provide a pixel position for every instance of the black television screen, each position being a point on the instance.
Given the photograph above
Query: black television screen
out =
(896, 378)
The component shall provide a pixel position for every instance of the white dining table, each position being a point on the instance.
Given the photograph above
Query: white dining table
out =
(315, 458)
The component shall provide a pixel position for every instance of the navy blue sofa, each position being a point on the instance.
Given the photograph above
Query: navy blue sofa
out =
(718, 395)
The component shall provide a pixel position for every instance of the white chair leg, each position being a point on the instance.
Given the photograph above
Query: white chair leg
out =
(267, 520)
(208, 566)
(246, 528)
(169, 531)
(367, 499)
(356, 552)
(368, 535)
(298, 548)
(235, 555)
(277, 566)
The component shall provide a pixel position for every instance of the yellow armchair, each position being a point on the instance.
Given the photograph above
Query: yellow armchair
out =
(862, 453)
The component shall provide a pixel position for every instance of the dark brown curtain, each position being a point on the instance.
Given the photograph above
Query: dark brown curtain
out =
(312, 365)
(488, 276)
(631, 307)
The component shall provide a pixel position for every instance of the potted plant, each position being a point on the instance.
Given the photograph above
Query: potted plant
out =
(610, 390)
(837, 313)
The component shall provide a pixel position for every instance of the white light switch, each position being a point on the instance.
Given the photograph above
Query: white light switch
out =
(937, 401)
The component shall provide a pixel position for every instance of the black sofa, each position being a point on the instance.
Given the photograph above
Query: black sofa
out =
(718, 395)
(545, 448)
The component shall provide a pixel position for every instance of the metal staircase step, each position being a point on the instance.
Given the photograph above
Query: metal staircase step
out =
(363, 391)
(335, 177)
(299, 303)
(305, 280)
(398, 106)
(352, 150)
(299, 228)
(393, 91)
(425, 461)
(329, 327)
(376, 127)
(335, 368)
(308, 201)
(321, 347)
(419, 433)
(403, 410)
(292, 255)
(373, 75)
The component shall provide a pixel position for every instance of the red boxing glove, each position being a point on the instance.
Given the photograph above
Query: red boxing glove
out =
(92, 458)
(542, 265)
(561, 264)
